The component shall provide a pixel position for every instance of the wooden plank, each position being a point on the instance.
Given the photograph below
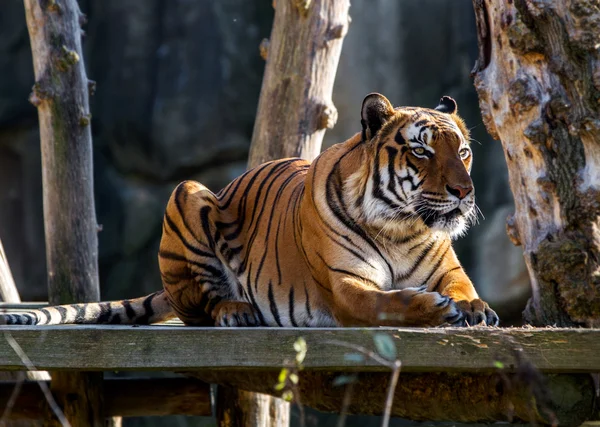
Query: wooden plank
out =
(122, 397)
(20, 306)
(80, 347)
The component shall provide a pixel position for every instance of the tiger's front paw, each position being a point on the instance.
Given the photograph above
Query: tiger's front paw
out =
(477, 312)
(235, 313)
(434, 309)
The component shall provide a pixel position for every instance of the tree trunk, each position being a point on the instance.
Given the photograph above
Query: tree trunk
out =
(295, 105)
(241, 408)
(538, 79)
(294, 109)
(61, 95)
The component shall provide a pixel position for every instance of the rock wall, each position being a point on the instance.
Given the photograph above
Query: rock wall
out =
(177, 89)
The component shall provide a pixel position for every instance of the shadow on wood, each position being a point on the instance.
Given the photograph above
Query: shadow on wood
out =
(459, 397)
(123, 397)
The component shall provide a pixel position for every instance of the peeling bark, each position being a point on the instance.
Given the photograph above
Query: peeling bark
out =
(538, 80)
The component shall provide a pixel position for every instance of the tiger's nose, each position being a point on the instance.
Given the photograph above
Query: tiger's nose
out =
(459, 191)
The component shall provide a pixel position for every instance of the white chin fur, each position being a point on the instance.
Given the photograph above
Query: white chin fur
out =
(455, 228)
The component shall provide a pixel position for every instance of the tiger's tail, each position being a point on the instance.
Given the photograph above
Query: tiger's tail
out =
(152, 308)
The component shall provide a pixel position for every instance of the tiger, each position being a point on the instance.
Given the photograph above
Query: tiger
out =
(362, 236)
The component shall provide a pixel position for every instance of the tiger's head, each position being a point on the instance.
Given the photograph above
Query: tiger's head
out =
(418, 167)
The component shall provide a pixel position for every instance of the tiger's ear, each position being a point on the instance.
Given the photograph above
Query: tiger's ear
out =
(376, 110)
(447, 105)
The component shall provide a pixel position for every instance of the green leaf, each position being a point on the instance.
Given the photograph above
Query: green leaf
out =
(287, 395)
(343, 379)
(294, 378)
(385, 346)
(498, 364)
(300, 347)
(283, 375)
(354, 357)
(279, 386)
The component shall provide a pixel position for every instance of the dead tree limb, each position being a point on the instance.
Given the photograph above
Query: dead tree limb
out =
(61, 96)
(538, 80)
(8, 289)
(295, 106)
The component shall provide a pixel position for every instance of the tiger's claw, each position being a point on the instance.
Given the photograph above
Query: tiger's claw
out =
(235, 314)
(478, 312)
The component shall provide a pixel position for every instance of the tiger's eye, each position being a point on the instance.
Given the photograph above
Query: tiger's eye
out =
(419, 151)
(464, 153)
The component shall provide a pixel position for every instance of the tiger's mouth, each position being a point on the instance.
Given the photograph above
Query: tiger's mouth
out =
(453, 222)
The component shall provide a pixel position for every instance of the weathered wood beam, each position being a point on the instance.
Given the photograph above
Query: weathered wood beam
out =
(173, 348)
(123, 398)
(447, 374)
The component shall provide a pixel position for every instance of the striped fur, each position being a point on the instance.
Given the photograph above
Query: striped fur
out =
(140, 311)
(362, 236)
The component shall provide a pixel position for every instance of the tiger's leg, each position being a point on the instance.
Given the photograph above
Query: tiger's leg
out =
(358, 304)
(455, 284)
(199, 285)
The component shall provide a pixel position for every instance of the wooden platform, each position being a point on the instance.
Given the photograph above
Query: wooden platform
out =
(474, 374)
(179, 348)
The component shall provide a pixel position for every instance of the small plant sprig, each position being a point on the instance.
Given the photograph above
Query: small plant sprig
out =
(287, 381)
(386, 355)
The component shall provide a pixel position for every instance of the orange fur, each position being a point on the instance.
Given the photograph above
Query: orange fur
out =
(362, 236)
(294, 243)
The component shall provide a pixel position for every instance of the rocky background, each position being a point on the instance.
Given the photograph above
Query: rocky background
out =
(177, 89)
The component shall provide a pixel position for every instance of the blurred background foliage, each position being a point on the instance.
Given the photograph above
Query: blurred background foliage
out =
(177, 89)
